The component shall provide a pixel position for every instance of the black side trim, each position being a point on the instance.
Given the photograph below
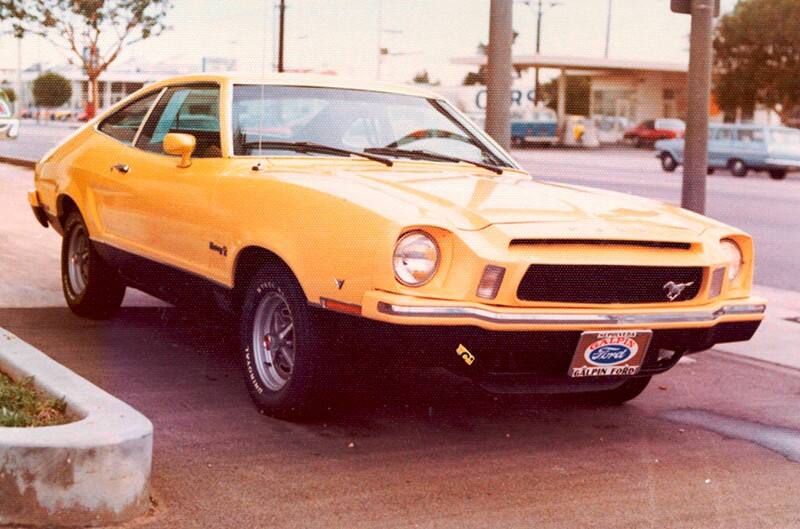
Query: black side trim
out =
(166, 282)
(40, 215)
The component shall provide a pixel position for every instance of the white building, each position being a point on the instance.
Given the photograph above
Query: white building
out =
(121, 80)
(637, 90)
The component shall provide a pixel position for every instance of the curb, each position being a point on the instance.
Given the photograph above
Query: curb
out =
(95, 471)
(18, 161)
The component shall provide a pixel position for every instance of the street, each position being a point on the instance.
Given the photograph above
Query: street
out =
(714, 443)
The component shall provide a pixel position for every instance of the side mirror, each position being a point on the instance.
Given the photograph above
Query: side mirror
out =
(182, 145)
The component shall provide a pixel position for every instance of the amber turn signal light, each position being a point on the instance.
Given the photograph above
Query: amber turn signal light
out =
(490, 282)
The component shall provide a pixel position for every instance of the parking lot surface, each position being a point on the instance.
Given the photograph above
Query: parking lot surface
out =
(714, 443)
(425, 449)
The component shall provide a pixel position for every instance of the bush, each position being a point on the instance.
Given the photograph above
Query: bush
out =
(51, 90)
(10, 94)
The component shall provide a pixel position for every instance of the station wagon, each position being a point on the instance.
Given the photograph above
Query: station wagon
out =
(742, 148)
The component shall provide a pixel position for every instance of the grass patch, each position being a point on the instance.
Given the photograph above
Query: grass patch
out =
(22, 405)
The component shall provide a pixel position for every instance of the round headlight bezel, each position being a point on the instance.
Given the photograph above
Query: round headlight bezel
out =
(735, 259)
(406, 238)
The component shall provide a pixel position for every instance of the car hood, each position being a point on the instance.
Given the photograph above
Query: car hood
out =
(472, 202)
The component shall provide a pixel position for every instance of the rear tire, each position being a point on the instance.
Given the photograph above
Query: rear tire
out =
(629, 390)
(91, 287)
(283, 347)
(777, 174)
(738, 168)
(668, 162)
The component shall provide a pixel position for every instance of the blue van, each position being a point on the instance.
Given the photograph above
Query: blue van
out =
(538, 126)
(741, 148)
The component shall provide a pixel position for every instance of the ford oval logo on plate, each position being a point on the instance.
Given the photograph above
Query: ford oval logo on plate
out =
(610, 353)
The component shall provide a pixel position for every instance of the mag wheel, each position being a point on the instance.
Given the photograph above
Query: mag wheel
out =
(285, 358)
(91, 288)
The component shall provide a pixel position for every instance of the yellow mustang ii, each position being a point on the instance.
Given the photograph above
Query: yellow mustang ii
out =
(321, 212)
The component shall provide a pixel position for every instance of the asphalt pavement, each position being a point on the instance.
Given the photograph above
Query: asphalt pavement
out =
(713, 443)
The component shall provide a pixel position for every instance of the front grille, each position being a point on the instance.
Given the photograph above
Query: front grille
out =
(608, 283)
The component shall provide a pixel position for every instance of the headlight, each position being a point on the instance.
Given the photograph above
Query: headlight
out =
(733, 254)
(416, 258)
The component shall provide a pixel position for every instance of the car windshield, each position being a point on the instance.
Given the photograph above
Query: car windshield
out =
(786, 137)
(353, 120)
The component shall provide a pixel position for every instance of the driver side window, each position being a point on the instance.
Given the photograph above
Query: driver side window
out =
(188, 110)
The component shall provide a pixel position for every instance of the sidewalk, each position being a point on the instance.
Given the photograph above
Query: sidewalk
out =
(778, 339)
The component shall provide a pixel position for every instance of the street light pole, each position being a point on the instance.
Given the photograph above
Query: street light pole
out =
(18, 99)
(281, 27)
(538, 45)
(695, 165)
(608, 26)
(498, 72)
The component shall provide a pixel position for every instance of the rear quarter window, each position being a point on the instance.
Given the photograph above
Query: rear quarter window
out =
(123, 124)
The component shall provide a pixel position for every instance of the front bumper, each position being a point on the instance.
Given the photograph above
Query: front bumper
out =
(409, 310)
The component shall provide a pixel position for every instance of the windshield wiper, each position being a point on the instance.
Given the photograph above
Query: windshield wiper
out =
(427, 155)
(306, 146)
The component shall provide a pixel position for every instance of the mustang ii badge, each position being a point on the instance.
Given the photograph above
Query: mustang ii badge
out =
(675, 289)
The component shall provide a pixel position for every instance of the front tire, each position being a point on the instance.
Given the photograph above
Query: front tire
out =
(668, 162)
(91, 288)
(282, 346)
(777, 174)
(738, 168)
(629, 390)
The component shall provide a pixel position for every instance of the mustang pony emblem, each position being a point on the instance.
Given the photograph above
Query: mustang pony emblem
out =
(675, 289)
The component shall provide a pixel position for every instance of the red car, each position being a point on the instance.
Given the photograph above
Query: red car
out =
(648, 132)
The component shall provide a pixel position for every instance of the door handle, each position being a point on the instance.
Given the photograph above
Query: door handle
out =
(121, 167)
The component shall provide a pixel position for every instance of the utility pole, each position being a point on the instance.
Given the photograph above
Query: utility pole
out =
(538, 46)
(281, 27)
(18, 100)
(539, 13)
(695, 165)
(608, 26)
(498, 72)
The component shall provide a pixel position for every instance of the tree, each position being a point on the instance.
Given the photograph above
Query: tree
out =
(479, 77)
(422, 77)
(9, 94)
(51, 90)
(93, 32)
(578, 94)
(757, 57)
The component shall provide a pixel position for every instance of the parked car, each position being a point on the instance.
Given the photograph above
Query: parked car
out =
(9, 125)
(534, 126)
(361, 223)
(742, 148)
(646, 133)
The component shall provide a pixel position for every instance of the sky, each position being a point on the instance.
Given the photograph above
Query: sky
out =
(344, 35)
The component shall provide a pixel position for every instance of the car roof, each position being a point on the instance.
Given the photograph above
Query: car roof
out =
(292, 79)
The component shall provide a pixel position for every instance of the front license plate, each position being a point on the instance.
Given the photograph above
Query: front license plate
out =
(609, 353)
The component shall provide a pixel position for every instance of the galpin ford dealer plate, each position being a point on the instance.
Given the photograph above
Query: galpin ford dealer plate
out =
(609, 353)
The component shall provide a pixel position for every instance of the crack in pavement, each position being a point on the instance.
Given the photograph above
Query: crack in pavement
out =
(785, 441)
